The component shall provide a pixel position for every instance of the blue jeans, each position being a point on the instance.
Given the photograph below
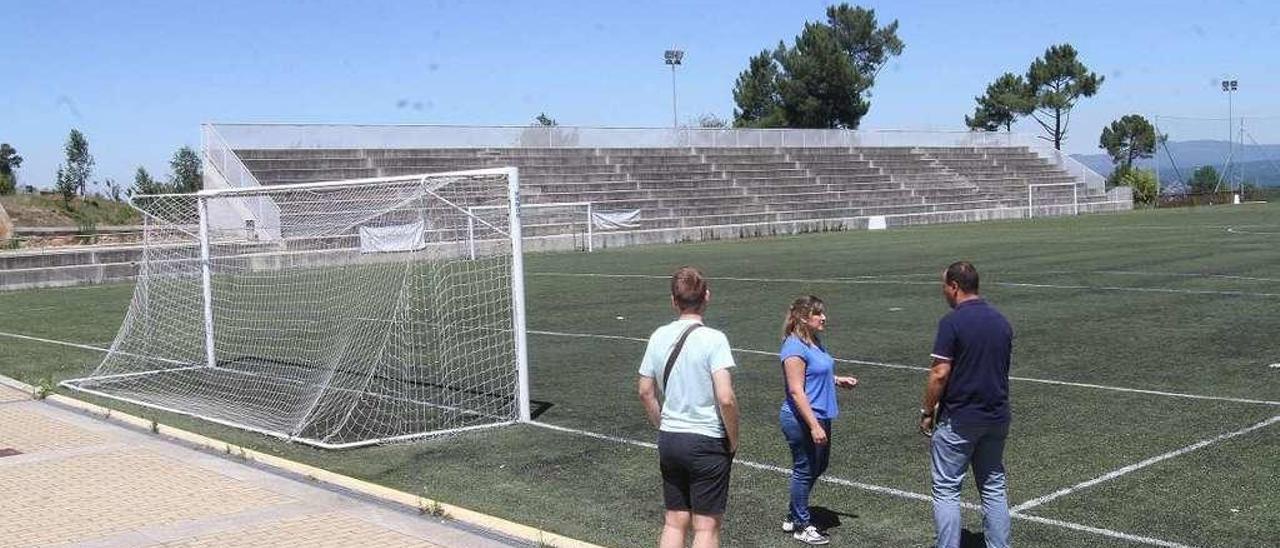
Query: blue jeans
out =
(954, 448)
(809, 461)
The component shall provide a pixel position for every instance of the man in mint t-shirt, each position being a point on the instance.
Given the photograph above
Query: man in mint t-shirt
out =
(698, 418)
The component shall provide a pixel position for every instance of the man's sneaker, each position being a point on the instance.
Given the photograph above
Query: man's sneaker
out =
(788, 525)
(810, 535)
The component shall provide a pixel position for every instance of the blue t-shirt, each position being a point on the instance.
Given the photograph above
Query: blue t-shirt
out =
(819, 378)
(978, 341)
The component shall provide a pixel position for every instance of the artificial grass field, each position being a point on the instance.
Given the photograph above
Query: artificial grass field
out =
(1139, 336)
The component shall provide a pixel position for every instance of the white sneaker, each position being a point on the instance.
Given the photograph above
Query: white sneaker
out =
(810, 535)
(788, 525)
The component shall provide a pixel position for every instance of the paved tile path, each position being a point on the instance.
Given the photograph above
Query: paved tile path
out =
(67, 479)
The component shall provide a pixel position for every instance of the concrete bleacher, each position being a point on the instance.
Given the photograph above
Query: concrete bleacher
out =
(689, 187)
(685, 193)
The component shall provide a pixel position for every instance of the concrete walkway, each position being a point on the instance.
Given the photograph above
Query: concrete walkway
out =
(67, 479)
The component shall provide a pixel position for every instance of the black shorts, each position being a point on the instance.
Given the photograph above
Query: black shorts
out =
(695, 472)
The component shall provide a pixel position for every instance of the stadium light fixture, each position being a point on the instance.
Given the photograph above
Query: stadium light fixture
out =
(1229, 87)
(673, 57)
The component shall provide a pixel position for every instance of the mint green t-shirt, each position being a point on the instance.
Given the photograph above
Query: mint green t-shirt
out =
(689, 403)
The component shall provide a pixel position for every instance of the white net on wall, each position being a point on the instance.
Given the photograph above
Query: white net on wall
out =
(374, 311)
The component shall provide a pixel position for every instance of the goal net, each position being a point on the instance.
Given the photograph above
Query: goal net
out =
(1053, 199)
(353, 313)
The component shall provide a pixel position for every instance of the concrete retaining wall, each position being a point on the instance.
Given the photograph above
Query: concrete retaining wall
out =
(78, 266)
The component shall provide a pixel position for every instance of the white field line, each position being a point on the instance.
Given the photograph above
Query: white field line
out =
(89, 347)
(1185, 275)
(1228, 293)
(766, 353)
(1239, 230)
(884, 281)
(918, 368)
(879, 489)
(1140, 465)
(757, 465)
(1098, 531)
(934, 275)
(40, 308)
(51, 341)
(829, 479)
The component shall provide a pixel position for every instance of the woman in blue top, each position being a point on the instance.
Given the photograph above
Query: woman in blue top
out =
(809, 407)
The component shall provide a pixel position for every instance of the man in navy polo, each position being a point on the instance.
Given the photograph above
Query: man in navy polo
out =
(966, 407)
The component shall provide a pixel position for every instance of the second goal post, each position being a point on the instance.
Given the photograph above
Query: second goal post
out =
(1050, 199)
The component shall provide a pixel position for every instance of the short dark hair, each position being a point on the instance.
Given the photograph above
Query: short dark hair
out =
(689, 289)
(964, 275)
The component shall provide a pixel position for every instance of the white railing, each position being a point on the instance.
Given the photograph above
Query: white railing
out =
(224, 170)
(222, 167)
(1092, 180)
(332, 136)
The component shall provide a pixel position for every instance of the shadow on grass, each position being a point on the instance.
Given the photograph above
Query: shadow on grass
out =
(825, 518)
(537, 408)
(970, 539)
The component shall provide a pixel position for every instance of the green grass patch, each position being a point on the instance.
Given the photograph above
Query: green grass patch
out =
(37, 210)
(1179, 300)
(1224, 494)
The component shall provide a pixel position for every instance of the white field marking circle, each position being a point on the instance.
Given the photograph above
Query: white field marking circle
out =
(1274, 366)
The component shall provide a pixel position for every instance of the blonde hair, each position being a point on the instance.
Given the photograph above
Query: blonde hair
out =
(796, 321)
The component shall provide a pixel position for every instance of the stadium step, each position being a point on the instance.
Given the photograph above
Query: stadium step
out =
(539, 178)
(301, 154)
(626, 161)
(755, 166)
(290, 176)
(268, 164)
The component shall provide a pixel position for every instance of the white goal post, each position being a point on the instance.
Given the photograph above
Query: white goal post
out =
(565, 213)
(1074, 206)
(377, 310)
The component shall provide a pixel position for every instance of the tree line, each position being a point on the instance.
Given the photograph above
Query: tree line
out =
(824, 79)
(74, 177)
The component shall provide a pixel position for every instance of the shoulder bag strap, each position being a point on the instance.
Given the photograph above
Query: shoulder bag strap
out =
(675, 353)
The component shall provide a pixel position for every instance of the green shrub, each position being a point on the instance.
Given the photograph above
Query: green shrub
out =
(1143, 182)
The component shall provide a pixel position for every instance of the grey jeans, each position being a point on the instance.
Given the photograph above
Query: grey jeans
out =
(954, 448)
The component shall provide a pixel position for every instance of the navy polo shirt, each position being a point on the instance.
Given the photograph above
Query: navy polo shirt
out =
(978, 341)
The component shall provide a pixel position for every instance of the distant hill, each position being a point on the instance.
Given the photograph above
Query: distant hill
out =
(1259, 163)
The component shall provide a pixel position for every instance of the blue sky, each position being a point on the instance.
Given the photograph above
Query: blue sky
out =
(139, 77)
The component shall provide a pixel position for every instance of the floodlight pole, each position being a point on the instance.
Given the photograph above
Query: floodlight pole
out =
(675, 118)
(673, 57)
(1155, 160)
(1230, 86)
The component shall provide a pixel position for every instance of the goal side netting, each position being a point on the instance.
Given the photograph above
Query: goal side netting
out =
(349, 313)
